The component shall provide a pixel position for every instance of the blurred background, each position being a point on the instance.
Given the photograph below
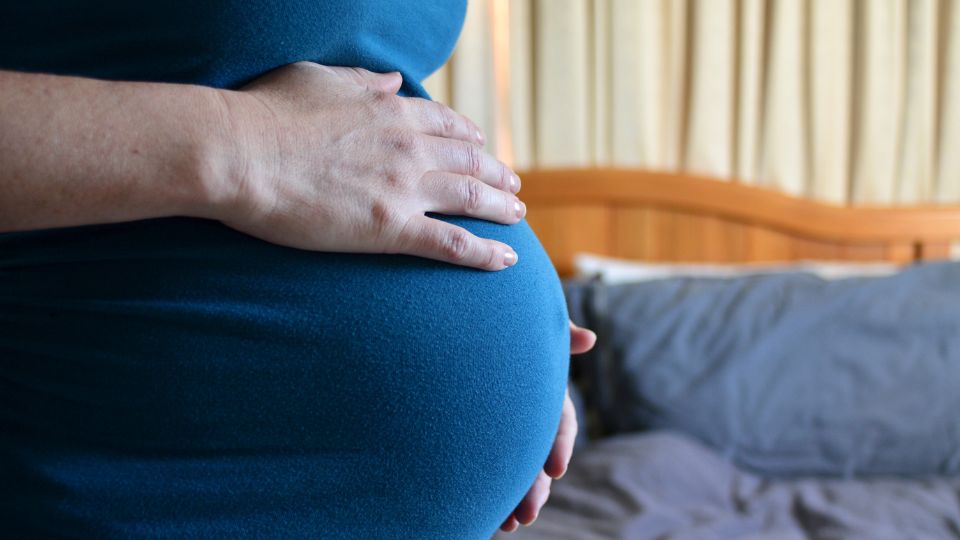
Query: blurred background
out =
(840, 101)
(767, 366)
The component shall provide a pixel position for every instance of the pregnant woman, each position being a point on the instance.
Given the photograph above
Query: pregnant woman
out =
(253, 284)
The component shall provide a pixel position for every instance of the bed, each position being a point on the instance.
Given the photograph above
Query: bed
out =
(771, 401)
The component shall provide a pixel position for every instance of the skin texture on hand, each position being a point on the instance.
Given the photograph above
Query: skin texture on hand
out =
(309, 156)
(335, 161)
(581, 341)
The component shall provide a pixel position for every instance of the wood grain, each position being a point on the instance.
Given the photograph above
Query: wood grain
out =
(666, 217)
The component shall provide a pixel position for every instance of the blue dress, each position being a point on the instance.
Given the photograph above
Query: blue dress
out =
(174, 378)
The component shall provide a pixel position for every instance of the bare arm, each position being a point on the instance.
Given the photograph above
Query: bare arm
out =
(307, 156)
(77, 151)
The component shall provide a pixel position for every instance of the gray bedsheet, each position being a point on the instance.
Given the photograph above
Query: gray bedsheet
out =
(666, 486)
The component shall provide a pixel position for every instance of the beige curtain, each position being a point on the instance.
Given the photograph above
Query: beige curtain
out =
(845, 101)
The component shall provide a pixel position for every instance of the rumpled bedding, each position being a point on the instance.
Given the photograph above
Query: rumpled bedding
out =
(668, 486)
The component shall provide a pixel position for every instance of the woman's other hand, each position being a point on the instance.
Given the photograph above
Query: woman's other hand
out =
(581, 341)
(331, 159)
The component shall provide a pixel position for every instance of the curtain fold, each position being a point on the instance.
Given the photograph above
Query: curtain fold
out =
(843, 101)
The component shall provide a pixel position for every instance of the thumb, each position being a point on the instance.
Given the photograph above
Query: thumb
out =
(581, 339)
(374, 82)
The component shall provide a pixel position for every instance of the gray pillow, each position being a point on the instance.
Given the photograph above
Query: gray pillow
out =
(785, 374)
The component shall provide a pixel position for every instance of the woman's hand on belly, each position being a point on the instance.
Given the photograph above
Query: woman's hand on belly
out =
(581, 341)
(330, 159)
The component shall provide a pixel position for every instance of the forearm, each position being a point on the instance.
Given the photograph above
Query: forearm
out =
(77, 151)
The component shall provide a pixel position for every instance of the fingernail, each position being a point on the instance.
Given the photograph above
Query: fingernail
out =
(509, 258)
(480, 138)
(515, 182)
(519, 208)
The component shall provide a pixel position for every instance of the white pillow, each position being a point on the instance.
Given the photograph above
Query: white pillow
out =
(613, 271)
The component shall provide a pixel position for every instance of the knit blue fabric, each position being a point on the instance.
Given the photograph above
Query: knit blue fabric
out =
(173, 378)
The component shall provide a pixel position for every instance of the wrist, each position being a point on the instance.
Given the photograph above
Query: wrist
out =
(233, 166)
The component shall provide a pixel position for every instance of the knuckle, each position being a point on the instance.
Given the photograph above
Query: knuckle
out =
(492, 259)
(389, 104)
(474, 160)
(448, 123)
(472, 196)
(455, 245)
(509, 209)
(394, 180)
(397, 178)
(404, 143)
(505, 175)
(383, 220)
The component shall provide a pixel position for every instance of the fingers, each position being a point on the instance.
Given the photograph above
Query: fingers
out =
(435, 239)
(529, 508)
(375, 82)
(581, 339)
(430, 117)
(559, 458)
(437, 119)
(463, 195)
(467, 159)
(510, 524)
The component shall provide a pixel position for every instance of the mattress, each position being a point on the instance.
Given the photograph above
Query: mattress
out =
(668, 486)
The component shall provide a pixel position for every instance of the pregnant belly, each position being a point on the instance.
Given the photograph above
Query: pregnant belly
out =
(174, 378)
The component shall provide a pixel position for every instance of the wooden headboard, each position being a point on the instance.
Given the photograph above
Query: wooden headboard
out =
(657, 216)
